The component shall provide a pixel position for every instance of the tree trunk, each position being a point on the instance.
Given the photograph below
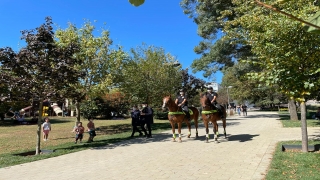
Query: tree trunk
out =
(39, 126)
(304, 127)
(293, 110)
(77, 112)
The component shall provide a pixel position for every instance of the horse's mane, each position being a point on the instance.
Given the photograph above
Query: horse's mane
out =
(203, 94)
(204, 98)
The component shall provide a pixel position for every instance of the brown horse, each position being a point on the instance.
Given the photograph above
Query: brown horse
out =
(210, 114)
(177, 116)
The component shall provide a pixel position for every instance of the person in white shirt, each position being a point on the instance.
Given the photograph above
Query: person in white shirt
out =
(46, 127)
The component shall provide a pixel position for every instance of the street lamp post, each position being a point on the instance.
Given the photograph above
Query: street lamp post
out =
(228, 96)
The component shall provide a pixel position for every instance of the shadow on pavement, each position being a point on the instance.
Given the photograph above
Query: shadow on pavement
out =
(263, 116)
(241, 137)
(139, 140)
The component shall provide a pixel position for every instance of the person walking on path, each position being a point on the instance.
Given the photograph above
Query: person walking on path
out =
(239, 110)
(91, 129)
(244, 109)
(146, 116)
(135, 121)
(46, 128)
(79, 130)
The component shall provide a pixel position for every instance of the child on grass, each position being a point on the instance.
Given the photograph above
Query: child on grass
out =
(46, 127)
(91, 129)
(79, 130)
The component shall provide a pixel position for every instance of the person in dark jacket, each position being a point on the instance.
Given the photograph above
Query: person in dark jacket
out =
(212, 96)
(146, 116)
(135, 116)
(182, 101)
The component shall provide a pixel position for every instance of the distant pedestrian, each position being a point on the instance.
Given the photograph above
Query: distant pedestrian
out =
(91, 129)
(46, 128)
(317, 115)
(79, 130)
(239, 110)
(244, 110)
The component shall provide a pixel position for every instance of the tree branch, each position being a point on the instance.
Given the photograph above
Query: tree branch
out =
(287, 14)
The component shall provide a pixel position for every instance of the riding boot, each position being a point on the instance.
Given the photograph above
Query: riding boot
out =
(221, 114)
(188, 116)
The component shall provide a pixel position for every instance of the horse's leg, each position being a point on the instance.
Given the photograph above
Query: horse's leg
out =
(173, 131)
(179, 130)
(224, 121)
(189, 127)
(206, 125)
(196, 116)
(215, 124)
(216, 127)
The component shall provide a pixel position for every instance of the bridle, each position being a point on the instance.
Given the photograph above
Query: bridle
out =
(206, 105)
(166, 102)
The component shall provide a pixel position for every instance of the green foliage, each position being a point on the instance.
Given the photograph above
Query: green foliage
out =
(89, 109)
(149, 74)
(217, 52)
(136, 2)
(315, 19)
(287, 53)
(41, 69)
(101, 63)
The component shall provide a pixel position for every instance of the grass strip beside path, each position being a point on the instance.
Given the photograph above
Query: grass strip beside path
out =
(294, 165)
(286, 122)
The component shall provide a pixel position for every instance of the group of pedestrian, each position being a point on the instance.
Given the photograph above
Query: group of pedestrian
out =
(78, 129)
(142, 118)
(242, 108)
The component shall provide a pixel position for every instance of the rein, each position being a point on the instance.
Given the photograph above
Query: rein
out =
(179, 110)
(205, 105)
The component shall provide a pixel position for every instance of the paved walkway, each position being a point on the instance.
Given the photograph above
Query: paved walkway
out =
(245, 155)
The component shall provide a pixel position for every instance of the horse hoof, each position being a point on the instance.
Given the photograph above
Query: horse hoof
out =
(173, 140)
(216, 142)
(189, 136)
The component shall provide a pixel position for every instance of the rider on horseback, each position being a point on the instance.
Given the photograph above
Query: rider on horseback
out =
(212, 96)
(182, 101)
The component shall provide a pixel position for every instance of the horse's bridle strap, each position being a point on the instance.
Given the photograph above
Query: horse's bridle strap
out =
(209, 112)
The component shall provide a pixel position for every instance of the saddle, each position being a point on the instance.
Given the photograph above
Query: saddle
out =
(180, 112)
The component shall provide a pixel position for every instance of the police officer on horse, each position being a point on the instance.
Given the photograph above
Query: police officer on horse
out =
(212, 96)
(182, 101)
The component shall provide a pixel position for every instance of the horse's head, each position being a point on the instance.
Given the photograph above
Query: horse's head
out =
(205, 102)
(166, 101)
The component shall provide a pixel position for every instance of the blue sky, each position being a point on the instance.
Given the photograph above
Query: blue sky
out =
(159, 23)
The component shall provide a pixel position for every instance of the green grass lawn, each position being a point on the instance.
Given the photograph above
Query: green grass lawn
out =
(286, 122)
(294, 165)
(15, 139)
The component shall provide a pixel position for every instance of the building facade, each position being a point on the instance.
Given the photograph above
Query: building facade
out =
(214, 85)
